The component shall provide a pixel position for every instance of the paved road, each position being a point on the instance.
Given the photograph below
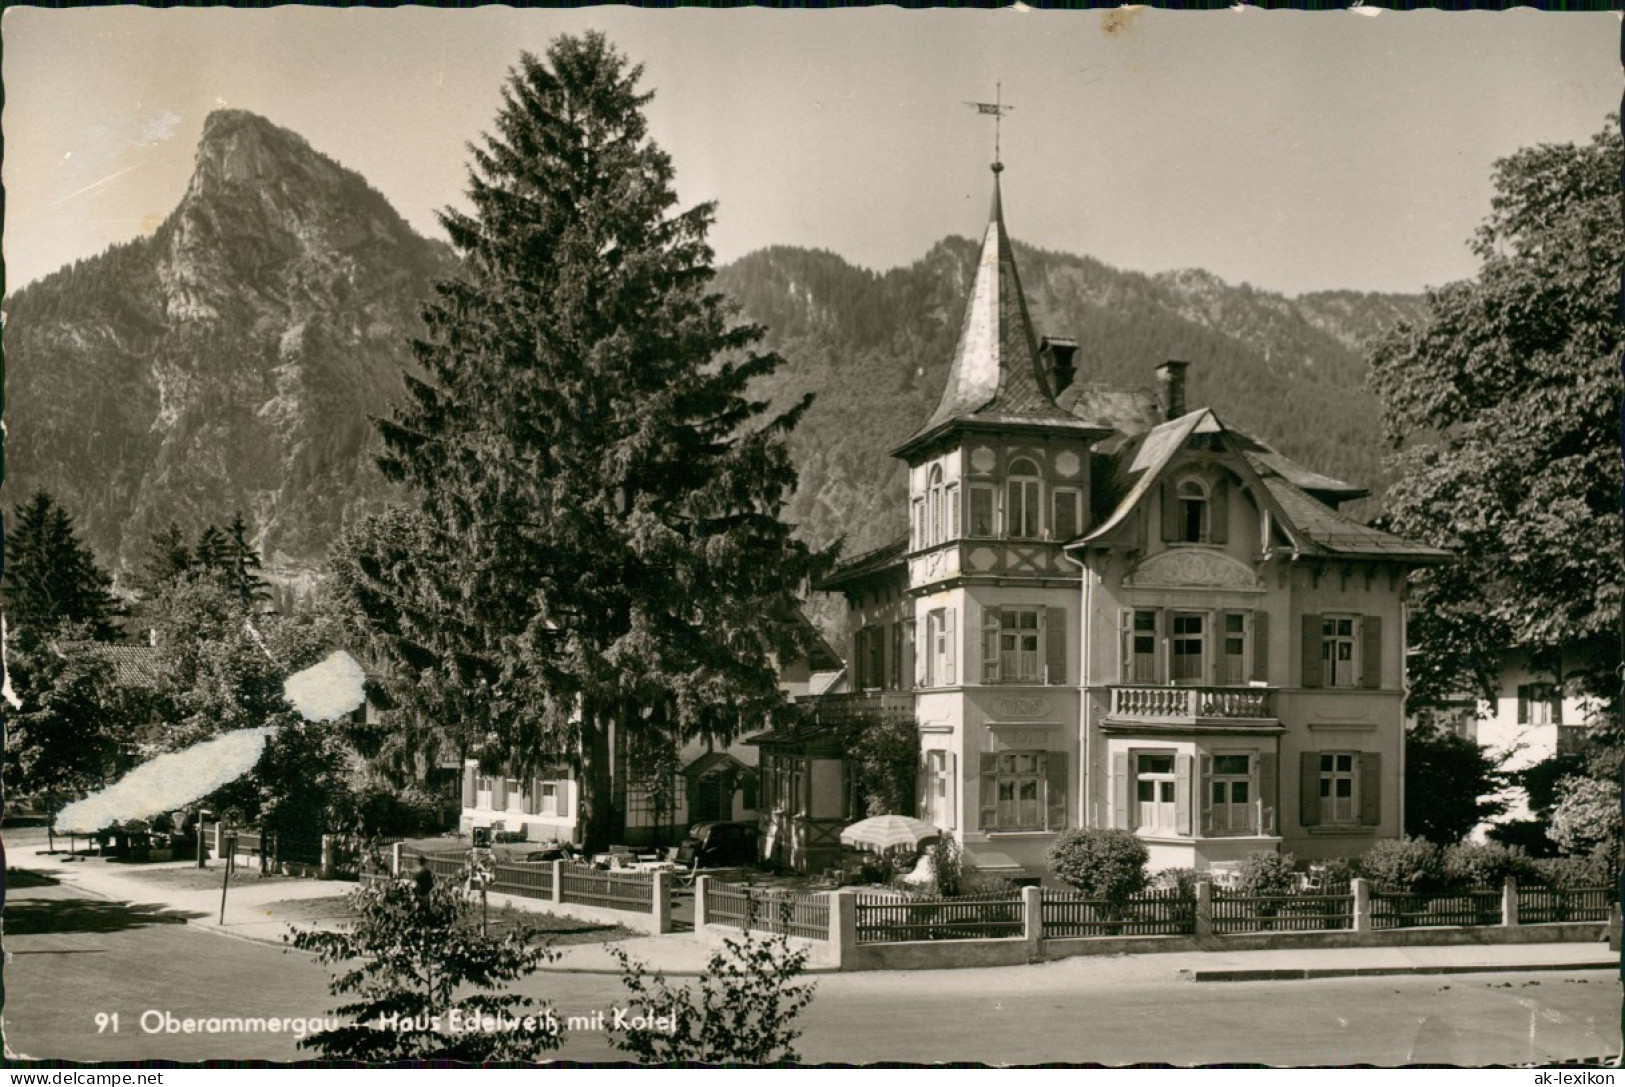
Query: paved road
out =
(76, 955)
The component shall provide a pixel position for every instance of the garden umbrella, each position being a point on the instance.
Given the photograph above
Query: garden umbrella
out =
(883, 832)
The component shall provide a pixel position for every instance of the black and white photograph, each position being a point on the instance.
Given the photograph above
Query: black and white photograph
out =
(812, 537)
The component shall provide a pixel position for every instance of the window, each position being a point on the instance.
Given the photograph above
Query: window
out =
(516, 795)
(1538, 704)
(1342, 651)
(1022, 507)
(1339, 794)
(981, 511)
(1154, 791)
(1233, 661)
(950, 530)
(1230, 790)
(1193, 511)
(1066, 518)
(937, 797)
(920, 536)
(1143, 647)
(1189, 643)
(1337, 652)
(1023, 790)
(934, 511)
(484, 789)
(939, 652)
(550, 802)
(1018, 645)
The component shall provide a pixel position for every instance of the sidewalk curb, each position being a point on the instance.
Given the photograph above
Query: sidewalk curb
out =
(1313, 973)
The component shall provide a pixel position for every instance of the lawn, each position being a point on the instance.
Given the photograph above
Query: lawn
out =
(551, 928)
(192, 878)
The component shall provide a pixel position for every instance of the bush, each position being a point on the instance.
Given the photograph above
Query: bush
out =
(1267, 874)
(1526, 834)
(1408, 865)
(413, 956)
(1485, 864)
(749, 997)
(1107, 864)
(1336, 876)
(1181, 881)
(1566, 873)
(1586, 819)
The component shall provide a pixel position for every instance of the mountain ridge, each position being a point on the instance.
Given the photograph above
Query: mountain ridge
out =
(234, 357)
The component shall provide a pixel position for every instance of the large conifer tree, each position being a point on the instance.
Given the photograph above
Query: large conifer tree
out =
(51, 578)
(601, 491)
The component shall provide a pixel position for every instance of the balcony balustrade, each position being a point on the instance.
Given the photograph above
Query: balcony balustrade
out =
(832, 709)
(1152, 703)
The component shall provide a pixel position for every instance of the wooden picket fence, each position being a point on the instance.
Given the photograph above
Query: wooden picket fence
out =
(1233, 913)
(752, 909)
(894, 919)
(1067, 914)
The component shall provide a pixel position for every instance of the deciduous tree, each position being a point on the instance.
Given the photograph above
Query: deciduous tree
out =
(1504, 410)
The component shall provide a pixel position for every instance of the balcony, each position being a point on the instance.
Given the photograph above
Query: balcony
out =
(1193, 704)
(831, 709)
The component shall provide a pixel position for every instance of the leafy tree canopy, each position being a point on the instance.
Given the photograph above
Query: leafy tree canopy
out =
(1449, 782)
(1504, 409)
(600, 490)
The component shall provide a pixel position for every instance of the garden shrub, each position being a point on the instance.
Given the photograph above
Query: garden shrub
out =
(1405, 865)
(1182, 881)
(1107, 864)
(1566, 873)
(1587, 818)
(1485, 864)
(1336, 876)
(1267, 874)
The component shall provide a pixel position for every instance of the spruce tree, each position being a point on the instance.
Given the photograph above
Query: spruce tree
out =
(240, 565)
(167, 560)
(51, 578)
(602, 491)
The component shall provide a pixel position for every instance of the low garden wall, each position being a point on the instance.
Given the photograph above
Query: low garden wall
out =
(885, 931)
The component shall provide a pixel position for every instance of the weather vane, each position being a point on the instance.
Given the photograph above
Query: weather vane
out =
(998, 109)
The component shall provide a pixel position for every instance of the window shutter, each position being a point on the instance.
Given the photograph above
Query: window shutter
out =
(1182, 794)
(990, 791)
(1219, 512)
(1213, 646)
(922, 657)
(1371, 651)
(922, 788)
(1309, 788)
(950, 659)
(990, 645)
(1170, 512)
(1121, 786)
(1311, 652)
(1261, 646)
(1159, 646)
(1370, 789)
(1125, 626)
(1055, 789)
(951, 799)
(499, 790)
(910, 650)
(532, 794)
(1054, 620)
(1204, 787)
(468, 786)
(1523, 705)
(1266, 792)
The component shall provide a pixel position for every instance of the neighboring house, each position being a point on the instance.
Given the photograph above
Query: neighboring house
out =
(709, 782)
(1111, 611)
(1536, 714)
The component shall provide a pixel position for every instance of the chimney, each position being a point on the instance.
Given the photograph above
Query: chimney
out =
(1171, 379)
(1059, 358)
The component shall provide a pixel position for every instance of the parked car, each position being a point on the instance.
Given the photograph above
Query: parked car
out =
(719, 845)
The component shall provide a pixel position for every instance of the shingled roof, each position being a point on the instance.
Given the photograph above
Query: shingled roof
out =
(865, 564)
(1313, 525)
(138, 666)
(995, 377)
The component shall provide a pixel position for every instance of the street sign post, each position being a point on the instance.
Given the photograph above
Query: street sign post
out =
(481, 871)
(231, 819)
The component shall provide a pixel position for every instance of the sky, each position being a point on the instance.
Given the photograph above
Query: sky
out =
(1294, 151)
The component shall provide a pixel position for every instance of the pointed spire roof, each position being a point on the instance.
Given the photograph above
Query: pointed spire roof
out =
(995, 378)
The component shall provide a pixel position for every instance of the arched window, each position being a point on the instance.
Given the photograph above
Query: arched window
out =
(1193, 511)
(1023, 500)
